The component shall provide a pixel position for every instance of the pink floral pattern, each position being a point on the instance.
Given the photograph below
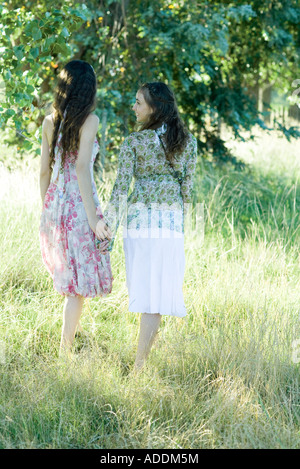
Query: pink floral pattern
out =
(68, 244)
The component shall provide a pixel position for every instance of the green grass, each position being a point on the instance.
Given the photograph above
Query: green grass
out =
(223, 377)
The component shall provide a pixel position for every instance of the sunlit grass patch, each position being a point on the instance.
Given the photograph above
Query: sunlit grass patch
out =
(223, 377)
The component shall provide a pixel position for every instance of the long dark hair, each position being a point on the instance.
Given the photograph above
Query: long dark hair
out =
(162, 100)
(74, 100)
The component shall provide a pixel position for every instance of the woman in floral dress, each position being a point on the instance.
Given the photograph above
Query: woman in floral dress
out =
(71, 217)
(161, 157)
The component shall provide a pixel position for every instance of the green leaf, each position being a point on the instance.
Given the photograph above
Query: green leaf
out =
(48, 42)
(19, 52)
(8, 75)
(36, 33)
(27, 145)
(30, 89)
(10, 112)
(79, 14)
(34, 52)
(65, 32)
(61, 46)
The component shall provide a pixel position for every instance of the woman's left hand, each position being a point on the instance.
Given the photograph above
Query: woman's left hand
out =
(103, 246)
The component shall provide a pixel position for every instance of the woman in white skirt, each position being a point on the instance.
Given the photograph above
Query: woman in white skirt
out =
(161, 156)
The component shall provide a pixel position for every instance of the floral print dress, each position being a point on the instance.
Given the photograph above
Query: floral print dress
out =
(68, 245)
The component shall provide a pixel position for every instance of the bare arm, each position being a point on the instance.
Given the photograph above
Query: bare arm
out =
(83, 171)
(45, 173)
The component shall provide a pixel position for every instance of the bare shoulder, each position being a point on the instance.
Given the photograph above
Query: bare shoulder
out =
(48, 122)
(89, 127)
(48, 127)
(92, 119)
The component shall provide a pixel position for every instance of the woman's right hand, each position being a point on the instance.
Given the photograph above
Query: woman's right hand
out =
(100, 228)
(102, 231)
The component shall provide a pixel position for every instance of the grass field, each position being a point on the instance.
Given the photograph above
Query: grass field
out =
(226, 376)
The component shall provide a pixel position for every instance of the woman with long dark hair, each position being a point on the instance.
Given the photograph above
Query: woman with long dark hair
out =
(71, 220)
(161, 156)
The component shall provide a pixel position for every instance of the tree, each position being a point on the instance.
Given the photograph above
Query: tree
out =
(211, 53)
(33, 39)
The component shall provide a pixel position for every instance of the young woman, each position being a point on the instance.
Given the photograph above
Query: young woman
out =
(161, 156)
(71, 215)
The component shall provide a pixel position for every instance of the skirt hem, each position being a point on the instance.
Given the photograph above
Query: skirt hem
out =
(131, 310)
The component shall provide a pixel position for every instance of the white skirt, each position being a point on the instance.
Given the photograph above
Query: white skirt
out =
(154, 271)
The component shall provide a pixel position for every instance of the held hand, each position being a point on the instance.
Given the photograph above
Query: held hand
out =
(102, 231)
(103, 247)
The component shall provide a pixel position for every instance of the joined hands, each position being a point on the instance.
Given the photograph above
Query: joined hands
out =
(104, 235)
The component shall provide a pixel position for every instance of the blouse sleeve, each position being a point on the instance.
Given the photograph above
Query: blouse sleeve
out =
(187, 182)
(118, 199)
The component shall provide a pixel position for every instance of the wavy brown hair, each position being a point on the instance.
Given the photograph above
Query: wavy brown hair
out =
(162, 101)
(75, 99)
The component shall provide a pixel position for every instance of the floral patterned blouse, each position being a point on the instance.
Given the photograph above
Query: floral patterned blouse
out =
(159, 191)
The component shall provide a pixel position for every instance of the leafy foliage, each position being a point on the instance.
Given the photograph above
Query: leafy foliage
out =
(211, 54)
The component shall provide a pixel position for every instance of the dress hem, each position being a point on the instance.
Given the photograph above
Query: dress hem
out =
(130, 310)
